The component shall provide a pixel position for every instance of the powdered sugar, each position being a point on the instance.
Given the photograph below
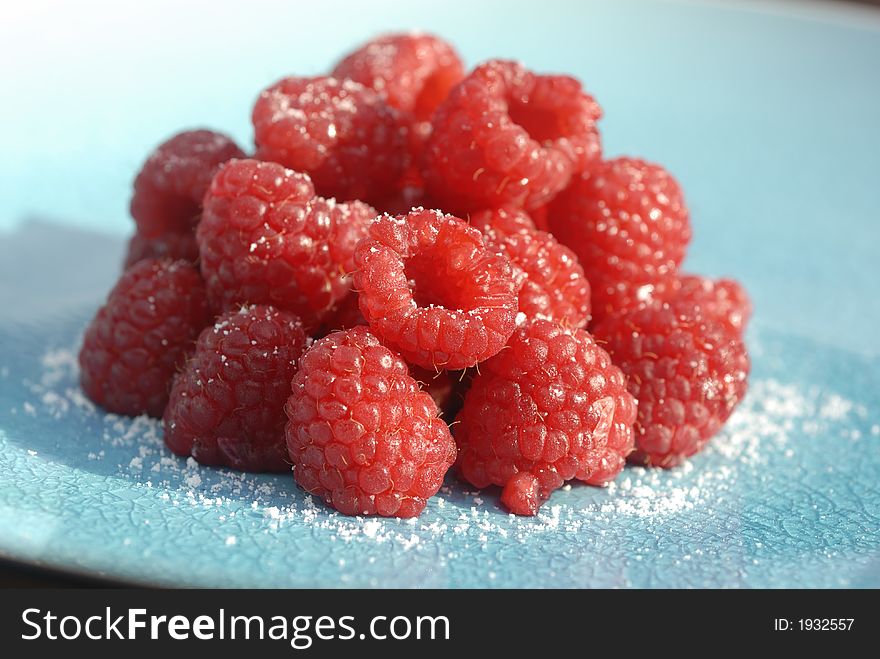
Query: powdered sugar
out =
(772, 415)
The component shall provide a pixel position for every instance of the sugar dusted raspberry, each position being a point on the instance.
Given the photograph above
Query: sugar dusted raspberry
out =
(724, 299)
(628, 224)
(553, 283)
(361, 434)
(412, 72)
(227, 404)
(506, 135)
(687, 369)
(351, 143)
(169, 188)
(549, 408)
(174, 246)
(431, 289)
(137, 340)
(503, 220)
(265, 238)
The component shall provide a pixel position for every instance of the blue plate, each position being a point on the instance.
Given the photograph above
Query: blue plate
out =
(767, 116)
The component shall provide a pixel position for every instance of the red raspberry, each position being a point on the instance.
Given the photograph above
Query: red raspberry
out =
(724, 299)
(168, 190)
(265, 238)
(627, 222)
(553, 282)
(505, 220)
(506, 135)
(549, 408)
(412, 72)
(430, 288)
(138, 338)
(342, 134)
(361, 434)
(227, 404)
(687, 370)
(170, 245)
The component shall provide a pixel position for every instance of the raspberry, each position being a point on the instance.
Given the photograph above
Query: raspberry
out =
(724, 299)
(431, 289)
(170, 245)
(553, 282)
(439, 384)
(168, 190)
(227, 404)
(549, 408)
(687, 369)
(506, 135)
(342, 134)
(504, 220)
(138, 338)
(627, 222)
(412, 72)
(361, 434)
(265, 238)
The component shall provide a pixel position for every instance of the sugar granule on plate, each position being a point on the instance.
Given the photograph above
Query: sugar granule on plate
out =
(772, 415)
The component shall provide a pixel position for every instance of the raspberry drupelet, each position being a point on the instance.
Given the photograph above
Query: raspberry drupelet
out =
(553, 283)
(138, 339)
(431, 289)
(265, 238)
(724, 299)
(687, 368)
(351, 143)
(549, 408)
(505, 135)
(169, 188)
(628, 224)
(362, 435)
(413, 72)
(227, 404)
(504, 220)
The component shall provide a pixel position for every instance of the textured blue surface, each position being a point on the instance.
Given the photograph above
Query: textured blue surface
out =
(769, 121)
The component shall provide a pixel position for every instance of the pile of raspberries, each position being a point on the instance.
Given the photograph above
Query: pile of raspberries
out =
(417, 268)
